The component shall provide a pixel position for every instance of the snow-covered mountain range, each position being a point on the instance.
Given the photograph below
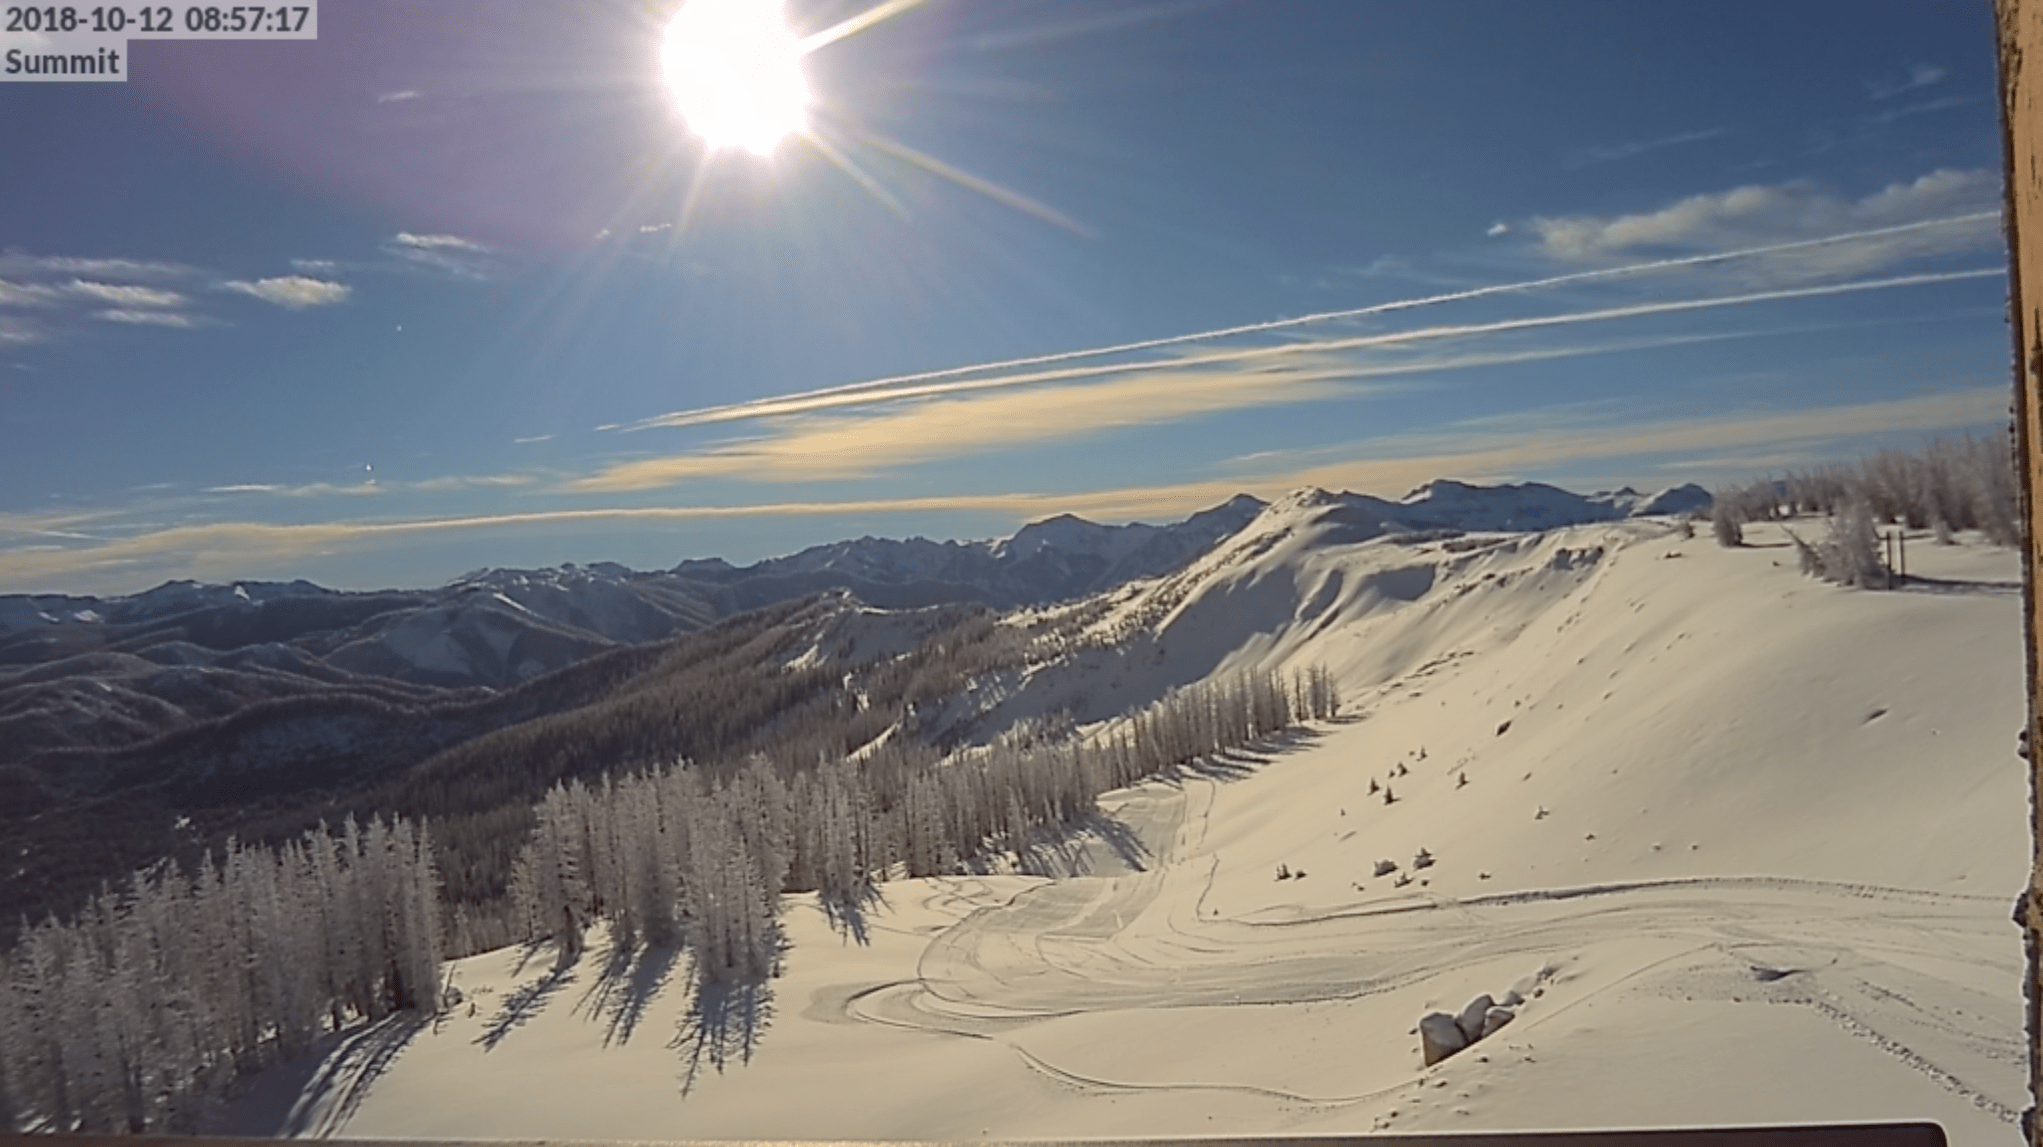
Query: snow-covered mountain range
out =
(148, 707)
(1742, 843)
(496, 627)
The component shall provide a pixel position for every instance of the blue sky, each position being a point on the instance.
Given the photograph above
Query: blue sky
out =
(455, 286)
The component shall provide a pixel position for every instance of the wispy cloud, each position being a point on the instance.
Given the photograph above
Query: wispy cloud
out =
(63, 294)
(435, 242)
(16, 265)
(226, 550)
(307, 490)
(55, 523)
(1507, 452)
(127, 295)
(134, 317)
(830, 449)
(451, 254)
(473, 482)
(1942, 104)
(373, 487)
(1389, 465)
(296, 292)
(948, 384)
(29, 294)
(397, 97)
(896, 387)
(964, 418)
(1919, 76)
(1610, 153)
(1900, 222)
(1747, 462)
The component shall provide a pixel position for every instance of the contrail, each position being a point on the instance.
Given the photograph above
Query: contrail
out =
(728, 413)
(857, 24)
(844, 397)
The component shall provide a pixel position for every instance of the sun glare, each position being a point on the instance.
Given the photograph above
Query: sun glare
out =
(733, 68)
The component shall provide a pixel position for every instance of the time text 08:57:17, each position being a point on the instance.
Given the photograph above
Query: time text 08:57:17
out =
(195, 21)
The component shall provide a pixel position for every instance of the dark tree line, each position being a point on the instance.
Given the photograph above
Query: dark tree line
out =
(155, 998)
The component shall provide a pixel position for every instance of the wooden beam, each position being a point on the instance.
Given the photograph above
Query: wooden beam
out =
(2020, 28)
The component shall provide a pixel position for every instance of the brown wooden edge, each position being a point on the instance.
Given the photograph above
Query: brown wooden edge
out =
(1827, 1135)
(2019, 24)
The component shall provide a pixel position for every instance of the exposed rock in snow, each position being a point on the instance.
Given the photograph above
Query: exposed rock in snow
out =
(1495, 1019)
(1439, 1037)
(1471, 1018)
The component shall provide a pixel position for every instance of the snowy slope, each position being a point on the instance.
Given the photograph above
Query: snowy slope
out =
(1749, 838)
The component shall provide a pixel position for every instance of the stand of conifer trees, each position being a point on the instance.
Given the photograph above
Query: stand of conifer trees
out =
(155, 998)
(675, 856)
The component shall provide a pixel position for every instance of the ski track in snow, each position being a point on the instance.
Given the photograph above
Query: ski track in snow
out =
(1116, 944)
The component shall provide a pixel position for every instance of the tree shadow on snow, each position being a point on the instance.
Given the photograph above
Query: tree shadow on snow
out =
(526, 951)
(1123, 840)
(1061, 850)
(341, 1080)
(625, 987)
(724, 1018)
(521, 1005)
(847, 914)
(1239, 764)
(1914, 584)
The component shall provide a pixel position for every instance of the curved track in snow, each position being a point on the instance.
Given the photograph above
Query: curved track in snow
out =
(1918, 974)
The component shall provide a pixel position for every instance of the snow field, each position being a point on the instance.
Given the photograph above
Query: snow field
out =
(1753, 838)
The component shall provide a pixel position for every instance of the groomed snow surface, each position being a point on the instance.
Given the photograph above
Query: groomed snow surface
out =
(1752, 839)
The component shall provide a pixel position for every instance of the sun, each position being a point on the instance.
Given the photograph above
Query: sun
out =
(733, 69)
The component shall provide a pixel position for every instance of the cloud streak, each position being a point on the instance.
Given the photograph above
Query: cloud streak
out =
(64, 294)
(449, 254)
(127, 295)
(134, 317)
(374, 488)
(913, 386)
(835, 449)
(1936, 105)
(1583, 157)
(293, 292)
(803, 449)
(1945, 212)
(904, 385)
(1919, 76)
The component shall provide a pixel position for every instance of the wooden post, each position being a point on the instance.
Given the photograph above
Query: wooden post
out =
(2019, 24)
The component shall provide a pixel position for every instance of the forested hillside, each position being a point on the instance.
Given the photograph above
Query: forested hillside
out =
(158, 997)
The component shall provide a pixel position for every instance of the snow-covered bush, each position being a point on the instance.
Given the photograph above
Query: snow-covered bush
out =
(1724, 523)
(1952, 484)
(1854, 547)
(1850, 555)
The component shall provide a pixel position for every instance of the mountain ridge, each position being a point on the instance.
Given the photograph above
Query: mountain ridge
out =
(209, 704)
